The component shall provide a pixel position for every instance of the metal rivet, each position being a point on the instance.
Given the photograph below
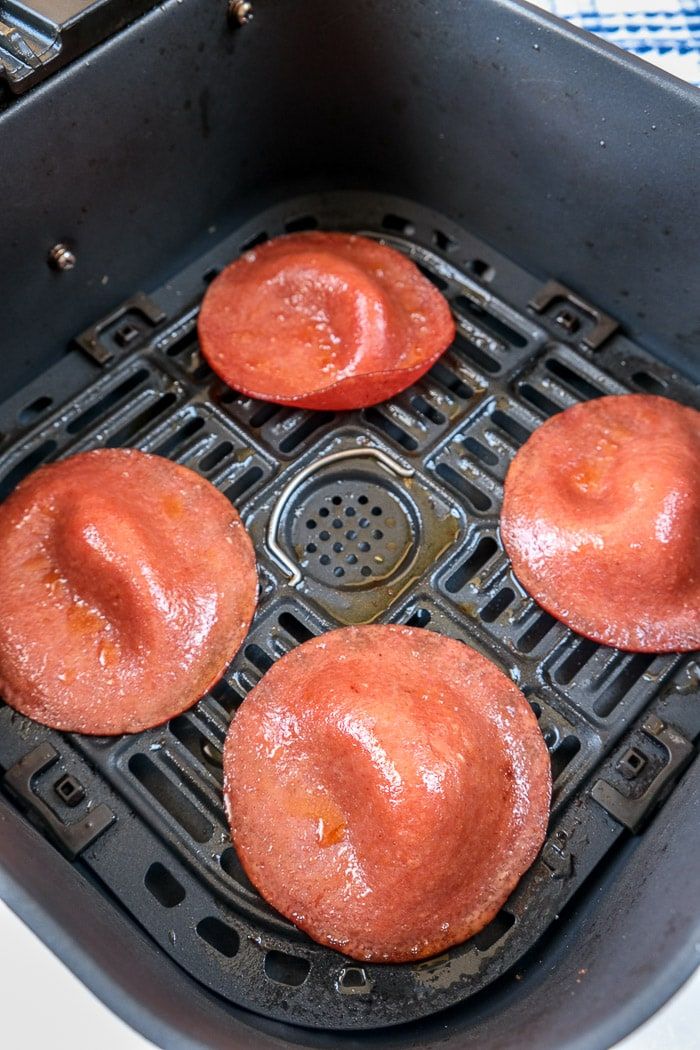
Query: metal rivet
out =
(568, 321)
(240, 12)
(61, 257)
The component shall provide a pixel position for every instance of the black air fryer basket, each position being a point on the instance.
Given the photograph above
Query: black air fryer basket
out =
(547, 184)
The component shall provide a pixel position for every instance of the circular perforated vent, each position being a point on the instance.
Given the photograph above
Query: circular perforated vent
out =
(352, 532)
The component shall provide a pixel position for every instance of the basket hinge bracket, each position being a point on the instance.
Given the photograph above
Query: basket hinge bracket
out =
(73, 837)
(572, 316)
(633, 813)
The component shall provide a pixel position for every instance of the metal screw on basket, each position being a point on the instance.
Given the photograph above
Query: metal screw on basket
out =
(240, 12)
(61, 257)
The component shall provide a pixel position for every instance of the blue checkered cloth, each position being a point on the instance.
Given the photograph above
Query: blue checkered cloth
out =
(665, 33)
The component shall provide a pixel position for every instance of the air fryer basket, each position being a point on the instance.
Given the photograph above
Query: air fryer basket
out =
(389, 514)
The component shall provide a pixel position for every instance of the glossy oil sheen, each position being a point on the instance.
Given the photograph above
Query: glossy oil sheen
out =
(127, 584)
(386, 787)
(601, 519)
(323, 320)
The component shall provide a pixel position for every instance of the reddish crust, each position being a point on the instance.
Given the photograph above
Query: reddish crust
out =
(601, 520)
(127, 584)
(386, 787)
(323, 320)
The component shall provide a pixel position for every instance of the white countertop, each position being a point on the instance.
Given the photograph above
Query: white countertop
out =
(69, 1017)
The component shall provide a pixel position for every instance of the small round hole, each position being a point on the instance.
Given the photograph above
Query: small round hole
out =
(363, 523)
(351, 559)
(324, 512)
(311, 548)
(337, 500)
(377, 534)
(364, 546)
(366, 571)
(324, 559)
(363, 500)
(339, 570)
(337, 523)
(337, 547)
(324, 535)
(376, 511)
(351, 534)
(311, 524)
(350, 512)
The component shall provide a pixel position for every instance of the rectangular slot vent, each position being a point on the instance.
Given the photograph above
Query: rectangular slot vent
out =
(215, 456)
(243, 483)
(165, 792)
(25, 466)
(125, 434)
(199, 746)
(226, 696)
(478, 499)
(222, 938)
(619, 684)
(163, 886)
(303, 222)
(311, 424)
(450, 381)
(107, 401)
(539, 400)
(232, 866)
(489, 322)
(480, 451)
(567, 749)
(516, 431)
(258, 657)
(444, 242)
(577, 382)
(421, 405)
(477, 356)
(373, 415)
(397, 224)
(263, 414)
(179, 437)
(534, 634)
(259, 238)
(649, 383)
(484, 550)
(498, 604)
(294, 627)
(576, 660)
(187, 341)
(37, 408)
(286, 969)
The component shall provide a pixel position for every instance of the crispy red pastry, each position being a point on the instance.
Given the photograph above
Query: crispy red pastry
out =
(601, 520)
(323, 320)
(386, 787)
(127, 584)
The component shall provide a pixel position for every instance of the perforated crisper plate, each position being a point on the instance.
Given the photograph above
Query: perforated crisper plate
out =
(387, 514)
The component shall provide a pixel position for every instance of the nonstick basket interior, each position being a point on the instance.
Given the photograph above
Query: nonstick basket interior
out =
(389, 514)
